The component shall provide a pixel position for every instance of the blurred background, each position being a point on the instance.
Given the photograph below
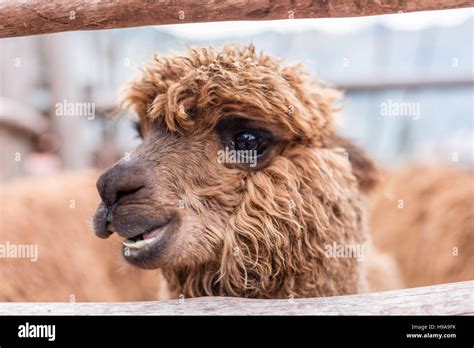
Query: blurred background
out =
(408, 81)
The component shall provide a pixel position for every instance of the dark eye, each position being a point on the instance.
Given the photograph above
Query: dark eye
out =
(251, 141)
(246, 141)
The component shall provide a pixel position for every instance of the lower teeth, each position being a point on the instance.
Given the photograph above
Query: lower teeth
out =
(142, 243)
(138, 244)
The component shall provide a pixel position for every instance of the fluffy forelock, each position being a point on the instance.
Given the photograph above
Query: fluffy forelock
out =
(191, 93)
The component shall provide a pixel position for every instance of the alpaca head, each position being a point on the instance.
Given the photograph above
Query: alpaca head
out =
(240, 181)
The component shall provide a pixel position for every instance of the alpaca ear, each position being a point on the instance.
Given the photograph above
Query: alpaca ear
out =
(363, 168)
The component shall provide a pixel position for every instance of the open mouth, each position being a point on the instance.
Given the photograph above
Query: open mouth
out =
(144, 240)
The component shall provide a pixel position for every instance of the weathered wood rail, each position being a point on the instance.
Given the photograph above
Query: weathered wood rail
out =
(19, 18)
(445, 299)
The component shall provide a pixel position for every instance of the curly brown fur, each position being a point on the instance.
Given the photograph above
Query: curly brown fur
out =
(243, 232)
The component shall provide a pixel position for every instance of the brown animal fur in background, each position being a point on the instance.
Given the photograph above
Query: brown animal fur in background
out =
(424, 217)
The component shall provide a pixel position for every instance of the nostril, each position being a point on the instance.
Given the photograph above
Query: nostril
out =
(118, 195)
(122, 193)
(107, 215)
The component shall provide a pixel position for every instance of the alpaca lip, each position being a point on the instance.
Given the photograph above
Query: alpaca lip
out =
(148, 249)
(143, 240)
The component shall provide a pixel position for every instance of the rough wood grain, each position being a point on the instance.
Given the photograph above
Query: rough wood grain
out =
(20, 18)
(446, 299)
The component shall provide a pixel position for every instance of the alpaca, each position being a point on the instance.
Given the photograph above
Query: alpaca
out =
(215, 226)
(68, 263)
(260, 223)
(424, 217)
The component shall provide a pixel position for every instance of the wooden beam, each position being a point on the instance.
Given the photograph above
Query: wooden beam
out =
(446, 299)
(371, 85)
(21, 18)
